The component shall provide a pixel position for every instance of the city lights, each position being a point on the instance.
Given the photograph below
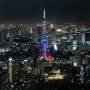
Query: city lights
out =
(51, 25)
(75, 64)
(58, 30)
(44, 52)
(10, 59)
(25, 60)
(55, 46)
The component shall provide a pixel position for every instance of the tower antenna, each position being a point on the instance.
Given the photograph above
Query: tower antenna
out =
(44, 13)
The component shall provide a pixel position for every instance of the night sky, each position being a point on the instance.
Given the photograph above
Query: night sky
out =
(28, 9)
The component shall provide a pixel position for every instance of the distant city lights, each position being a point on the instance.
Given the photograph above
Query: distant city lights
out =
(75, 64)
(25, 60)
(58, 30)
(10, 59)
(51, 25)
(55, 46)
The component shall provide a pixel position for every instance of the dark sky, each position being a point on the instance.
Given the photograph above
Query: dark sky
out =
(27, 9)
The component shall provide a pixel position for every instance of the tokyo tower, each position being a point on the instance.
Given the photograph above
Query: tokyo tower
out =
(44, 39)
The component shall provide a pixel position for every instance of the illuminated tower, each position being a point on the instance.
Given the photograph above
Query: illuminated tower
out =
(44, 39)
